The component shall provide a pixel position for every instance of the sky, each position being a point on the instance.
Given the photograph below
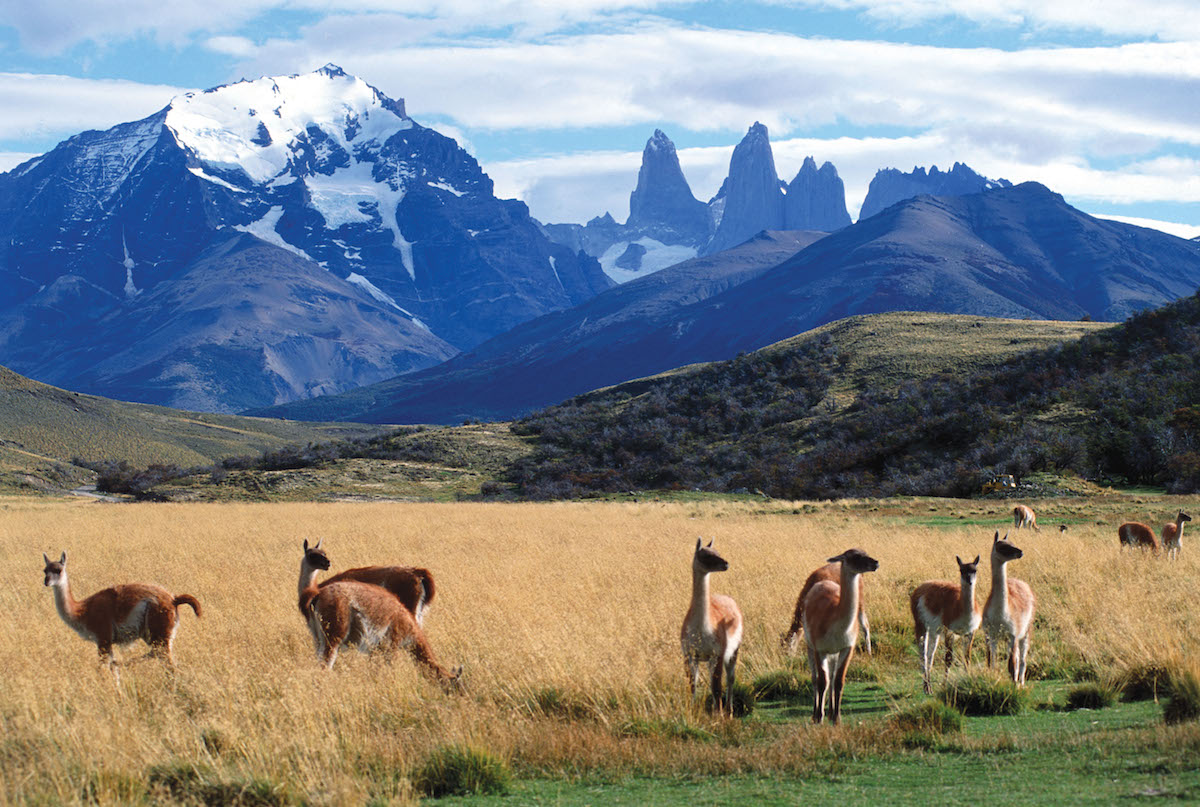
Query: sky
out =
(1097, 99)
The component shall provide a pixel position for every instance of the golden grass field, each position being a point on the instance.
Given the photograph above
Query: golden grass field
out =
(565, 616)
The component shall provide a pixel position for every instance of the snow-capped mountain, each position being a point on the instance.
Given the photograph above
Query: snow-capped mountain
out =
(350, 194)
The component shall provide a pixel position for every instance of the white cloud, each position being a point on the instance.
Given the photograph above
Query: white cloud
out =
(1172, 227)
(11, 159)
(47, 105)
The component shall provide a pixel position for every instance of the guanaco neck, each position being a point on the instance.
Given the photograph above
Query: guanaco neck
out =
(966, 591)
(999, 594)
(308, 585)
(848, 605)
(700, 599)
(68, 607)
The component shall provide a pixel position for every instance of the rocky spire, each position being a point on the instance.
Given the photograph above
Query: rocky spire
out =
(816, 199)
(753, 199)
(662, 206)
(891, 185)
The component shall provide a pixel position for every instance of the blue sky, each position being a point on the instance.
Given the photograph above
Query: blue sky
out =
(1098, 99)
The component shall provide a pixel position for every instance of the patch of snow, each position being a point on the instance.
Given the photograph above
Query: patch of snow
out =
(214, 180)
(373, 290)
(658, 256)
(220, 127)
(264, 228)
(554, 267)
(446, 187)
(131, 290)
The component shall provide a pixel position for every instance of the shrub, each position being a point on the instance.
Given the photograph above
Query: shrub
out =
(785, 685)
(1185, 697)
(928, 717)
(456, 770)
(1091, 695)
(983, 694)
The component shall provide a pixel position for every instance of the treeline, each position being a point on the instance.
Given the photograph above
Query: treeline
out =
(1120, 405)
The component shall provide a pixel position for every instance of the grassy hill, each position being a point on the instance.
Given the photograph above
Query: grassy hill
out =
(43, 427)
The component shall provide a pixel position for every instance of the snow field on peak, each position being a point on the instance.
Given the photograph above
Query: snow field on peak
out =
(264, 228)
(658, 256)
(222, 127)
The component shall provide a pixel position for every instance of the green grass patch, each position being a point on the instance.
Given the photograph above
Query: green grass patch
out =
(984, 694)
(457, 770)
(1091, 695)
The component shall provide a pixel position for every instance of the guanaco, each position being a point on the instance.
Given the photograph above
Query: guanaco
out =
(411, 585)
(938, 607)
(712, 629)
(1172, 535)
(364, 616)
(1008, 612)
(831, 629)
(1137, 534)
(1023, 517)
(120, 614)
(831, 572)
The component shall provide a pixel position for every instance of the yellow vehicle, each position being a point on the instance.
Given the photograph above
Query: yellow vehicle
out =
(999, 482)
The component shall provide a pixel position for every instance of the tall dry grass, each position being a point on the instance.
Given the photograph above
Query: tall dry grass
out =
(565, 616)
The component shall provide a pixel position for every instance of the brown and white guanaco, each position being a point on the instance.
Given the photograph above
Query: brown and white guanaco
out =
(411, 585)
(363, 616)
(1172, 535)
(939, 606)
(833, 573)
(1008, 612)
(712, 629)
(120, 614)
(1137, 534)
(831, 629)
(1023, 517)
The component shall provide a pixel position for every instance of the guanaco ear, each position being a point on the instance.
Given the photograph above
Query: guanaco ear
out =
(710, 540)
(305, 544)
(1006, 535)
(699, 541)
(837, 559)
(996, 537)
(320, 541)
(45, 558)
(976, 559)
(63, 559)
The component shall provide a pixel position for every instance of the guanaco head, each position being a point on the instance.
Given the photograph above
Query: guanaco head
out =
(856, 560)
(1002, 550)
(315, 557)
(1183, 517)
(55, 569)
(1062, 527)
(453, 682)
(707, 560)
(968, 570)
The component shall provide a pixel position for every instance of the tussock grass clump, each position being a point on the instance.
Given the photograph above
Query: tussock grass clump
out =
(1184, 704)
(782, 685)
(1144, 682)
(456, 770)
(929, 716)
(1091, 695)
(189, 784)
(983, 695)
(559, 703)
(676, 729)
(743, 700)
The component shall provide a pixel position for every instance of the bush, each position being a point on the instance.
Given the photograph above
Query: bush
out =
(1091, 695)
(784, 685)
(1185, 697)
(983, 695)
(928, 717)
(456, 770)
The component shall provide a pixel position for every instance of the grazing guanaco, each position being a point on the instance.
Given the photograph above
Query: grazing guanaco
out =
(831, 629)
(1137, 534)
(1023, 517)
(1008, 612)
(120, 614)
(938, 607)
(833, 573)
(1172, 535)
(712, 629)
(411, 585)
(364, 616)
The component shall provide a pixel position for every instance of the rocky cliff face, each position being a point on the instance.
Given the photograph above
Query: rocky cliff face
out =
(321, 166)
(891, 185)
(662, 206)
(751, 197)
(816, 199)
